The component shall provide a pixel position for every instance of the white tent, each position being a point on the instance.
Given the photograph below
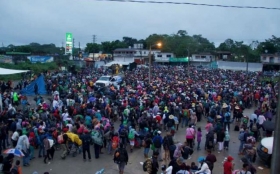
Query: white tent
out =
(118, 62)
(4, 71)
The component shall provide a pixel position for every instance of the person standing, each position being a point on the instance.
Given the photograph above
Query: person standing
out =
(47, 148)
(36, 89)
(121, 158)
(211, 158)
(190, 135)
(155, 165)
(220, 139)
(147, 144)
(87, 140)
(226, 140)
(63, 139)
(228, 165)
(157, 142)
(198, 137)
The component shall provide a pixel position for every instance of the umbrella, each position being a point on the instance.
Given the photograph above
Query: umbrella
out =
(16, 152)
(268, 125)
(92, 99)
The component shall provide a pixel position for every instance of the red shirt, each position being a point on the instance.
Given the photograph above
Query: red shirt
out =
(227, 167)
(158, 118)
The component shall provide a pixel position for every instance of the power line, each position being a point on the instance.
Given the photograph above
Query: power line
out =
(195, 4)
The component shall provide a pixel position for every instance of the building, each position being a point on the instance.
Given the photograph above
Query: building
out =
(270, 58)
(270, 61)
(223, 55)
(203, 59)
(139, 55)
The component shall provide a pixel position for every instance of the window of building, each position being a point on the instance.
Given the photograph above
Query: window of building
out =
(203, 57)
(197, 57)
(168, 55)
(144, 52)
(159, 55)
(263, 58)
(210, 56)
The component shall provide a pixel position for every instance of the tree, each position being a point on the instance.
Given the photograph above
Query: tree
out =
(93, 48)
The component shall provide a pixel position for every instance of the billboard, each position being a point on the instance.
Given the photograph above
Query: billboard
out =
(69, 43)
(42, 59)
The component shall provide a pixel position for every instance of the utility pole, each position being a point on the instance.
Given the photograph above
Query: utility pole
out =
(275, 167)
(79, 47)
(73, 48)
(93, 39)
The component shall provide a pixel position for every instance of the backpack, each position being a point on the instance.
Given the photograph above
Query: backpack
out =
(198, 109)
(227, 116)
(97, 138)
(169, 123)
(115, 142)
(148, 165)
(165, 142)
(254, 127)
(186, 113)
(131, 135)
(241, 136)
(123, 133)
(14, 170)
(157, 142)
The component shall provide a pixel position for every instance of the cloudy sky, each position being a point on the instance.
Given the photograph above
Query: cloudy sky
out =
(22, 22)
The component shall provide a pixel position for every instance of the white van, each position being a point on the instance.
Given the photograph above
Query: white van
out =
(264, 150)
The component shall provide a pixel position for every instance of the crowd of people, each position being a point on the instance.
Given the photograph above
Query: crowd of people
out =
(78, 115)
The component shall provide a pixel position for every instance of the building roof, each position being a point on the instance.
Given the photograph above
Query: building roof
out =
(126, 49)
(223, 52)
(17, 53)
(203, 54)
(270, 54)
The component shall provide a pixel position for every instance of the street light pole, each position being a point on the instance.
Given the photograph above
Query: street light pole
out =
(150, 63)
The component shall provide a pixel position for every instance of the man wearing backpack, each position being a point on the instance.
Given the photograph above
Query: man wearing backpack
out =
(254, 128)
(131, 138)
(185, 117)
(157, 142)
(121, 158)
(227, 120)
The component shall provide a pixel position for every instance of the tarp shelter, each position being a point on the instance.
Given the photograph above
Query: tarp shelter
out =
(118, 62)
(30, 90)
(4, 71)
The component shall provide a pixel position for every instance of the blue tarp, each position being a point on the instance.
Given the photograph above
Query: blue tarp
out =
(29, 90)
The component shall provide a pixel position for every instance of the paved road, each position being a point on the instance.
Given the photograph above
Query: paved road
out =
(75, 165)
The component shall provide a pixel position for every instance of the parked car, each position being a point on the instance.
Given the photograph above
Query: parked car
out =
(264, 150)
(108, 80)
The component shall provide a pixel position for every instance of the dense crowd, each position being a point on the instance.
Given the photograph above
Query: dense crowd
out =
(78, 115)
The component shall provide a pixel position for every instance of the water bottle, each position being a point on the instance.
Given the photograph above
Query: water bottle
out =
(100, 172)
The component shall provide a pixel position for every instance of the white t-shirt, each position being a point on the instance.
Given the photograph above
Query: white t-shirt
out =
(253, 116)
(261, 119)
(70, 127)
(15, 136)
(65, 116)
(169, 170)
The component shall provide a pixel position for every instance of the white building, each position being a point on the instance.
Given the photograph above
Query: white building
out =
(270, 58)
(139, 55)
(202, 57)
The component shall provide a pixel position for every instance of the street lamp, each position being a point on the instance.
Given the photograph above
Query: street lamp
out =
(150, 58)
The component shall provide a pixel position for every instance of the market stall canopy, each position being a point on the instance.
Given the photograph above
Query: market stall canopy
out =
(4, 71)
